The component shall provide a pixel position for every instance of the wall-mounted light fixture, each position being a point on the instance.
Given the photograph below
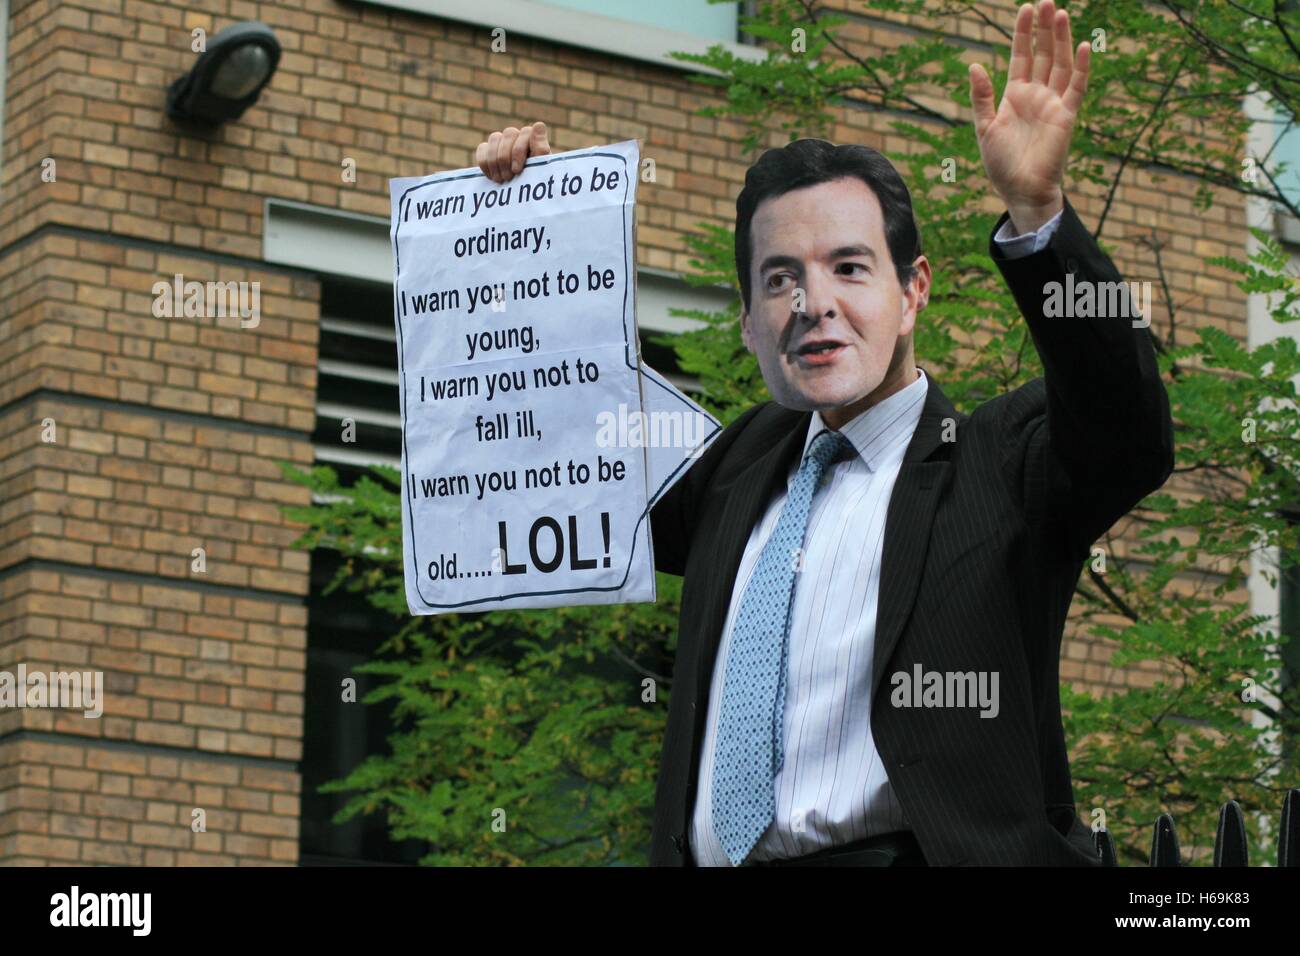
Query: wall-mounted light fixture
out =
(228, 76)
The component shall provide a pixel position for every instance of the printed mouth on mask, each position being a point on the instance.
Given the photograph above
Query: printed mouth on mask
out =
(811, 355)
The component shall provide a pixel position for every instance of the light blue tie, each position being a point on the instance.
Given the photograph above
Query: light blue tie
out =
(748, 752)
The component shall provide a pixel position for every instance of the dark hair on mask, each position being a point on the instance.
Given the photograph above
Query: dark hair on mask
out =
(808, 162)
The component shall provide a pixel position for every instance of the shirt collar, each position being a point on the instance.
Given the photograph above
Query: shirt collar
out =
(882, 427)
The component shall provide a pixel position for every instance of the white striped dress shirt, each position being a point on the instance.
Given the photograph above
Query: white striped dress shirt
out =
(832, 788)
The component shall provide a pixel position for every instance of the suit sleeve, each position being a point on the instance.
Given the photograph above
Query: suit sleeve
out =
(1099, 437)
(672, 519)
(670, 522)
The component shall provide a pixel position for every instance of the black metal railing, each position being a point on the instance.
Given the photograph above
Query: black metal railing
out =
(1230, 848)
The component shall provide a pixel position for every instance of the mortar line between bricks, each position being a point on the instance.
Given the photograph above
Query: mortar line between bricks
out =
(153, 750)
(153, 245)
(149, 411)
(137, 577)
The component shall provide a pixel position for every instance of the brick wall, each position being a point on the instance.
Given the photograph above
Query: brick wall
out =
(168, 430)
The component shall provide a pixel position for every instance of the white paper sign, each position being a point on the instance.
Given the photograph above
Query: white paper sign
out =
(534, 441)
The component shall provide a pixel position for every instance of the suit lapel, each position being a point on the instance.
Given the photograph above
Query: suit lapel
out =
(749, 497)
(920, 484)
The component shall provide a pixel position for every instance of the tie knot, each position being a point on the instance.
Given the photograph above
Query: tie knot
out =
(826, 448)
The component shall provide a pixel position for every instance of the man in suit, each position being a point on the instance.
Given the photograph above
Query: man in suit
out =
(875, 586)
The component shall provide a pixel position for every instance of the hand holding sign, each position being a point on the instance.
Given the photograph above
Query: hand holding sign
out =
(534, 440)
(502, 155)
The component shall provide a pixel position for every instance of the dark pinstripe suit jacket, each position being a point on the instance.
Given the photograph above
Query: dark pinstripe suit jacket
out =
(985, 538)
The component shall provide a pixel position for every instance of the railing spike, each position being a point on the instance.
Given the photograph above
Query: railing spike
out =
(1288, 836)
(1105, 847)
(1164, 843)
(1230, 838)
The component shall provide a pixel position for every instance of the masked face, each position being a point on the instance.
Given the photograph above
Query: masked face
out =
(849, 346)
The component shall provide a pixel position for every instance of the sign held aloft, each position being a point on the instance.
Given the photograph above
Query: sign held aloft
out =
(534, 440)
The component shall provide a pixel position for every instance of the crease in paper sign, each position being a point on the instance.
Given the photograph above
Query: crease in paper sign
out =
(534, 439)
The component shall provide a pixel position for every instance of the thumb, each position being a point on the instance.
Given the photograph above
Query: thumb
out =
(540, 146)
(981, 98)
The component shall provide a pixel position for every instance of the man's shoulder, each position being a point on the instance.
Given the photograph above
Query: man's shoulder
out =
(760, 424)
(756, 430)
(750, 435)
(766, 417)
(1011, 408)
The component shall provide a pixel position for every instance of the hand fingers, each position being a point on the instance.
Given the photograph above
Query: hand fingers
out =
(519, 152)
(1046, 16)
(1022, 51)
(981, 99)
(1073, 98)
(541, 145)
(503, 154)
(508, 136)
(491, 151)
(1061, 54)
(485, 154)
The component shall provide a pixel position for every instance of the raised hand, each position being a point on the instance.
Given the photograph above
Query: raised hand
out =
(1025, 142)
